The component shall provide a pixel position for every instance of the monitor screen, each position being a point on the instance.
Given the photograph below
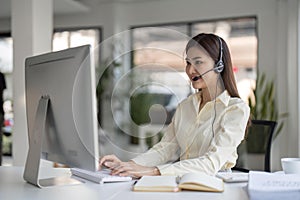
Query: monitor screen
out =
(69, 126)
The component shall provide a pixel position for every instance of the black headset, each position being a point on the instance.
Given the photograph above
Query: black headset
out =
(219, 66)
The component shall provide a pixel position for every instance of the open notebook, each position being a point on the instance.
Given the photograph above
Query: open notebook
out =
(190, 181)
(102, 176)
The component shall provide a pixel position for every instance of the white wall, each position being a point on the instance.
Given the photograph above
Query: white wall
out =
(32, 35)
(277, 21)
(4, 25)
(292, 69)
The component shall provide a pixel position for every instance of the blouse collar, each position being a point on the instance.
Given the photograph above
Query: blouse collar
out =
(224, 97)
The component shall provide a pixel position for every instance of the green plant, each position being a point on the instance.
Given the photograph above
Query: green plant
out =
(105, 71)
(140, 105)
(263, 107)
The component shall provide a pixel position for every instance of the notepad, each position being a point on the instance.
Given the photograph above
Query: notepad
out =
(264, 185)
(190, 181)
(102, 176)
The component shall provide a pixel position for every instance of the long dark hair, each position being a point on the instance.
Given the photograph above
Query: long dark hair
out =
(211, 43)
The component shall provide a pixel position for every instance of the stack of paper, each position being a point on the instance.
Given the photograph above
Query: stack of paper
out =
(264, 185)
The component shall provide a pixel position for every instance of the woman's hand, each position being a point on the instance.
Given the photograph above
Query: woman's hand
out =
(130, 168)
(109, 161)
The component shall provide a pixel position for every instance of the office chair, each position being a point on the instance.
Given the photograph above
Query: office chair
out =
(260, 134)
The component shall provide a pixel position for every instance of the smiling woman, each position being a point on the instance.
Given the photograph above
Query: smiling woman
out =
(207, 127)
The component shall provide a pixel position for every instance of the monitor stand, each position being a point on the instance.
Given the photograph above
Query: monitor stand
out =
(32, 166)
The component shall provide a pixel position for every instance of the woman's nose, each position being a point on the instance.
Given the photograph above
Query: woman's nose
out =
(193, 69)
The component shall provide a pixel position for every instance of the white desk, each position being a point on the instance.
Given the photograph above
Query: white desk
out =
(12, 186)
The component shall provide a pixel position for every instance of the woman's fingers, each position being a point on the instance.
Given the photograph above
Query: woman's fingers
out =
(121, 168)
(112, 158)
(108, 159)
(111, 165)
(129, 169)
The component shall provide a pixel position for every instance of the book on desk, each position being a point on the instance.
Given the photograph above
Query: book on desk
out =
(190, 181)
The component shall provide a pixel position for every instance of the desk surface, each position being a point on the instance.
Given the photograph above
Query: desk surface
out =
(12, 186)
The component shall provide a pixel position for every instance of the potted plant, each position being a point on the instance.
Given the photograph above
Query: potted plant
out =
(263, 107)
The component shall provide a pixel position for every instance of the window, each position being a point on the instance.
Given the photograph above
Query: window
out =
(67, 38)
(6, 54)
(158, 67)
(158, 55)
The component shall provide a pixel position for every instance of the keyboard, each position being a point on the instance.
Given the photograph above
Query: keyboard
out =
(102, 176)
(233, 177)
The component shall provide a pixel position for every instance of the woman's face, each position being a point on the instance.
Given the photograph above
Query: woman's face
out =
(198, 62)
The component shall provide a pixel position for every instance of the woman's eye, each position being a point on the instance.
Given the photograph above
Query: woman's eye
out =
(198, 62)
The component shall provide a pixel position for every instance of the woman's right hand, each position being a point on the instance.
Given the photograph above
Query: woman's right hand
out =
(109, 161)
(129, 168)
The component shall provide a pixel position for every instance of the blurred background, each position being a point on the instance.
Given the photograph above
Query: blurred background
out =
(138, 48)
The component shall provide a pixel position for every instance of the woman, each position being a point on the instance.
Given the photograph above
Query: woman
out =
(207, 127)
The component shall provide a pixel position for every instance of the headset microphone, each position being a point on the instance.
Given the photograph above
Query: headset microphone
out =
(196, 78)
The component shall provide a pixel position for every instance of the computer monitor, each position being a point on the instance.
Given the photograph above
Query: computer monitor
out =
(61, 112)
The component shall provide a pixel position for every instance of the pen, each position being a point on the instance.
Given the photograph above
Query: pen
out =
(133, 185)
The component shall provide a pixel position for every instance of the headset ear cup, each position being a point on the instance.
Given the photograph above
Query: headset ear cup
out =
(219, 66)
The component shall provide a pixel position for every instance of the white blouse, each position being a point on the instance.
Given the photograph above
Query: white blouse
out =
(204, 141)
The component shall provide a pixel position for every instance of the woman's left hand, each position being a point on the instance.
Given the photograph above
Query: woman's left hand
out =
(134, 170)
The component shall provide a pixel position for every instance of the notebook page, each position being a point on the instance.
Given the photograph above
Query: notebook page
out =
(157, 181)
(203, 179)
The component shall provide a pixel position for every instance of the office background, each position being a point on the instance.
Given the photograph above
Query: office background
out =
(31, 23)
